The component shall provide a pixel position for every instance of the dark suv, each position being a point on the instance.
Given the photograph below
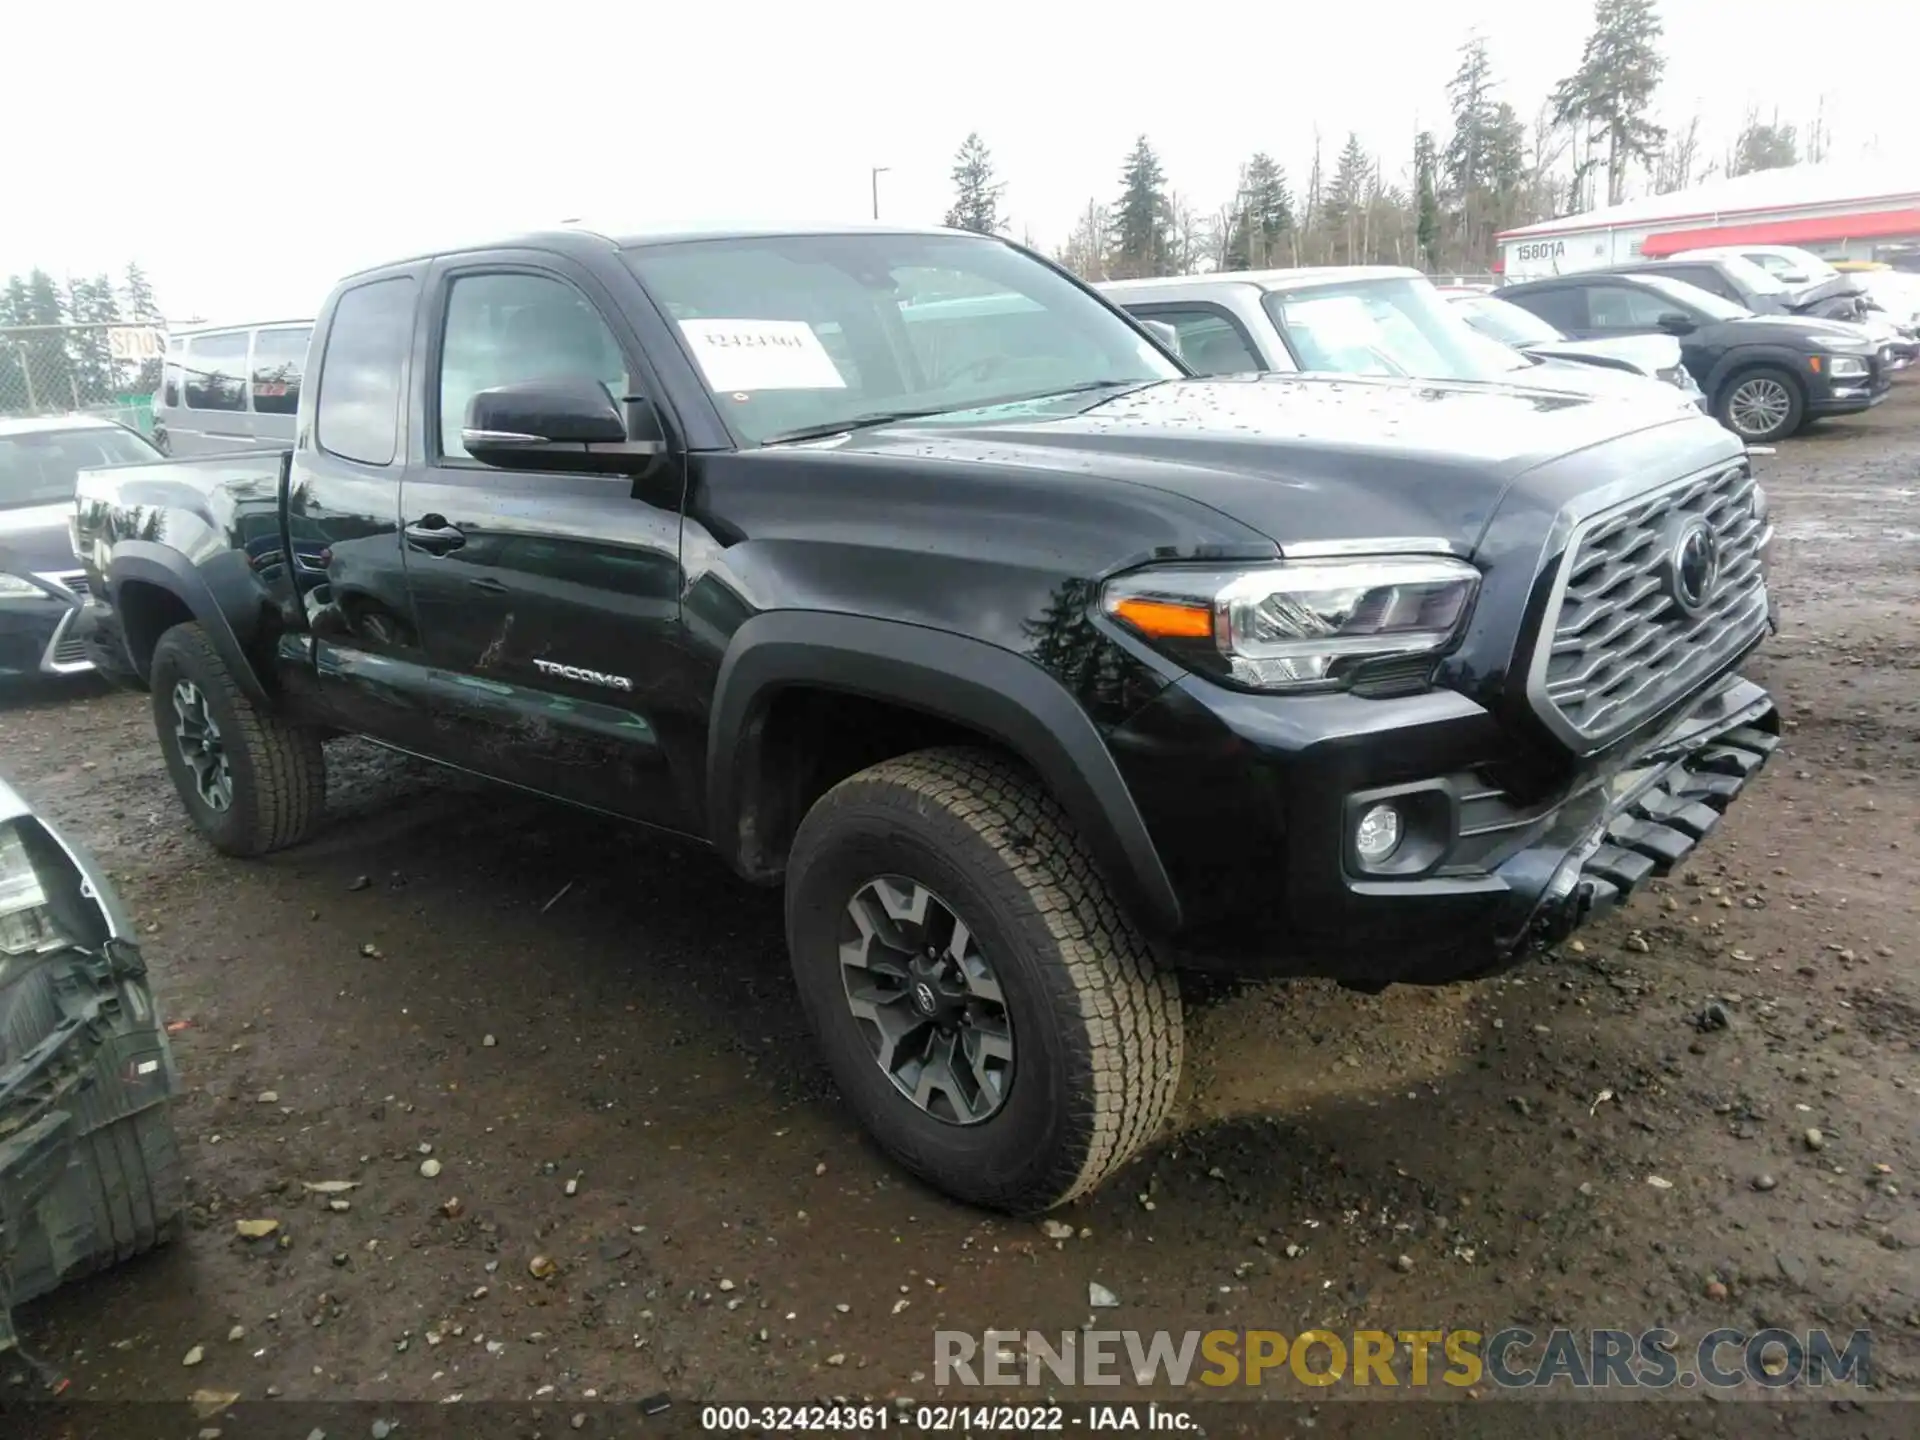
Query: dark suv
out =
(911, 575)
(1766, 376)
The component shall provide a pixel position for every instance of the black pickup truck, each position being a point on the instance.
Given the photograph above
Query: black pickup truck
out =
(907, 572)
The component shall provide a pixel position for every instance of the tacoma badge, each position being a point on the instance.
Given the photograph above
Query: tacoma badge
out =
(585, 677)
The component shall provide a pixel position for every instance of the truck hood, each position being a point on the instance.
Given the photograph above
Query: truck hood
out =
(1306, 458)
(1647, 354)
(1798, 330)
(34, 540)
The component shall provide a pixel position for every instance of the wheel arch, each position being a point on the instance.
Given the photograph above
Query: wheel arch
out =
(153, 588)
(976, 689)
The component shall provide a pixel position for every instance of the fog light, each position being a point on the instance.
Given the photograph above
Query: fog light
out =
(1377, 835)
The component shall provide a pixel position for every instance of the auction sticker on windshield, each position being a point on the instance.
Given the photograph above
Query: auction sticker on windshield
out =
(761, 355)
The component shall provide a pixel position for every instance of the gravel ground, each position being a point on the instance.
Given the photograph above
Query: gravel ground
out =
(592, 1150)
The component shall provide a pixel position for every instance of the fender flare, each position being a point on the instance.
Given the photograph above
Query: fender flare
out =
(167, 569)
(968, 682)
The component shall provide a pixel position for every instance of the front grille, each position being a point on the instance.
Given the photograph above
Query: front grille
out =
(1622, 646)
(66, 651)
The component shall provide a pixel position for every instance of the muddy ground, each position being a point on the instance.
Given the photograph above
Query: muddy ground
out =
(594, 1037)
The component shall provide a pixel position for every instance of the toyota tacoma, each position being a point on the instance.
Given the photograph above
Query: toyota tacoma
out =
(910, 574)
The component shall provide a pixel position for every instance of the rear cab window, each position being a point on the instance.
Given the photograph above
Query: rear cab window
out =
(362, 372)
(1211, 341)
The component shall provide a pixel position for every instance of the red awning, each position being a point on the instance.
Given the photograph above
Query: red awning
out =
(1813, 230)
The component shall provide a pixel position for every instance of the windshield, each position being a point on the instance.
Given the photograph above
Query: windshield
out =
(1389, 326)
(1506, 321)
(1692, 295)
(804, 332)
(41, 466)
(1800, 262)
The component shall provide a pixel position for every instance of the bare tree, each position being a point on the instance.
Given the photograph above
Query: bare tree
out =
(1677, 165)
(1085, 252)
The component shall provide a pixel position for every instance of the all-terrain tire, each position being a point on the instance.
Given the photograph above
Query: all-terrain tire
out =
(1096, 1023)
(278, 771)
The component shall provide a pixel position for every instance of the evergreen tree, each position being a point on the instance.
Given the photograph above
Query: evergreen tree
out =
(1611, 92)
(976, 197)
(1344, 211)
(1263, 220)
(141, 306)
(88, 351)
(49, 375)
(1771, 146)
(1426, 231)
(1142, 218)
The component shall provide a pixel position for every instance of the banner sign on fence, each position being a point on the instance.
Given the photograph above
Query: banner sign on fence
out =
(136, 343)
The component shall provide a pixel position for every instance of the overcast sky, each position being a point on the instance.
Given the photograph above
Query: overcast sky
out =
(247, 155)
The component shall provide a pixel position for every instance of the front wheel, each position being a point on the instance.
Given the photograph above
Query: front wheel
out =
(1762, 405)
(988, 1011)
(251, 783)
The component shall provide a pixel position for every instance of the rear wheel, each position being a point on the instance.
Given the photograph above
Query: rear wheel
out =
(990, 1014)
(1762, 404)
(251, 782)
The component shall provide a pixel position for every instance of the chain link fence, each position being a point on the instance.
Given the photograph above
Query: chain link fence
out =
(111, 370)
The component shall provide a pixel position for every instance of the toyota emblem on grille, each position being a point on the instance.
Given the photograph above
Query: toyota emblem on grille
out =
(1693, 567)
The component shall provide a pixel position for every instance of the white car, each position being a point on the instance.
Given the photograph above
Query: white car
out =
(1352, 320)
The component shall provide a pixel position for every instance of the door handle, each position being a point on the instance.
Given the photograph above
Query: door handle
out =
(490, 585)
(433, 534)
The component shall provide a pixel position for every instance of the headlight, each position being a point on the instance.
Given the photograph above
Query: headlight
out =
(14, 585)
(1846, 366)
(25, 922)
(1302, 626)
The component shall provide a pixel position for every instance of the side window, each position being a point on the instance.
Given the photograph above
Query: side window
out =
(1708, 278)
(279, 357)
(1210, 342)
(358, 414)
(216, 368)
(507, 328)
(1565, 310)
(1626, 307)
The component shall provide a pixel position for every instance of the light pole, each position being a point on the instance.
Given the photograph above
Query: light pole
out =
(878, 171)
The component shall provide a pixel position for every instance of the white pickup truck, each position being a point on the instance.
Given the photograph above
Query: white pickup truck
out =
(1365, 320)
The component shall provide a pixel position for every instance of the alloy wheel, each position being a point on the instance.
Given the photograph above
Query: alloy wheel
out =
(927, 1000)
(197, 734)
(1759, 405)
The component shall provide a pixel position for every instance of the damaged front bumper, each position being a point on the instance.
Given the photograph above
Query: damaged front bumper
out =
(89, 1164)
(1646, 819)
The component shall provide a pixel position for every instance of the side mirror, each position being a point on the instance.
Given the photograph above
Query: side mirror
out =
(1674, 323)
(1168, 337)
(565, 425)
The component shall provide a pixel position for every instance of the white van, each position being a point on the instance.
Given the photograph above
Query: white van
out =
(235, 387)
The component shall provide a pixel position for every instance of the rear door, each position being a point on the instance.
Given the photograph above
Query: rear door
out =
(343, 515)
(550, 602)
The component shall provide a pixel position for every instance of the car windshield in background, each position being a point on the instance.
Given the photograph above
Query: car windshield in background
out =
(41, 467)
(1505, 321)
(1694, 297)
(1392, 326)
(798, 334)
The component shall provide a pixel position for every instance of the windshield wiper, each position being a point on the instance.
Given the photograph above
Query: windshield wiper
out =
(890, 417)
(857, 422)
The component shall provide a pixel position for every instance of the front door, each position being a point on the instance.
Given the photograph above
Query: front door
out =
(550, 602)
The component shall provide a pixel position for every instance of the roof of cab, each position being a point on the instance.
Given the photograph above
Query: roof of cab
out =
(581, 236)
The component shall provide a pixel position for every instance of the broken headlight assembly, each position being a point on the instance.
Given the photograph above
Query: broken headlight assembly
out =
(1303, 625)
(26, 920)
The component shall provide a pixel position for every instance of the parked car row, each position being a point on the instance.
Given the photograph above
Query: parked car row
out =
(1720, 328)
